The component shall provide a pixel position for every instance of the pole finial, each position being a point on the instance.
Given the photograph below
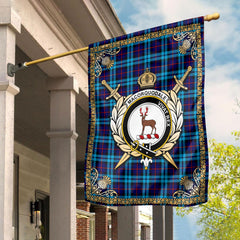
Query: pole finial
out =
(213, 16)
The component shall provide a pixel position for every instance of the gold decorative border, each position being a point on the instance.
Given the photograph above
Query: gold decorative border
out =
(144, 201)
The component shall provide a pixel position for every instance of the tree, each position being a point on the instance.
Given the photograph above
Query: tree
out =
(220, 216)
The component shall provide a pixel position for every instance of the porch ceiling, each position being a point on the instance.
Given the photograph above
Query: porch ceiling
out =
(32, 112)
(92, 20)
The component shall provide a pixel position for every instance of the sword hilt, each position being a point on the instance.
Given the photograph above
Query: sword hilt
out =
(113, 92)
(179, 84)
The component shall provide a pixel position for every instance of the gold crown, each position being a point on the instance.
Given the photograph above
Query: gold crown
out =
(147, 79)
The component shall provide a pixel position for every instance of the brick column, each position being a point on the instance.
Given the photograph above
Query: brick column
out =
(83, 224)
(145, 232)
(114, 218)
(101, 223)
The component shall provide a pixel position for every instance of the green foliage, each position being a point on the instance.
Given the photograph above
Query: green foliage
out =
(220, 216)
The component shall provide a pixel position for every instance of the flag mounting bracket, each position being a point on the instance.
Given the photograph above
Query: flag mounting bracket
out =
(12, 69)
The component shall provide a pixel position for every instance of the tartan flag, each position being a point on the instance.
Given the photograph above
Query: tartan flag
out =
(147, 140)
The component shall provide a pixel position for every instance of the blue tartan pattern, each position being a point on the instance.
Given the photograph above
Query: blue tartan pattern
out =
(133, 184)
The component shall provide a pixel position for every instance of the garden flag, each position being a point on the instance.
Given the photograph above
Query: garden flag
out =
(147, 140)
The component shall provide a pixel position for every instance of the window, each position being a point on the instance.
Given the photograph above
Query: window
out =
(43, 198)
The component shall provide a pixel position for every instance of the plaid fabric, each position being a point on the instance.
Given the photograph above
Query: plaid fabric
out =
(166, 51)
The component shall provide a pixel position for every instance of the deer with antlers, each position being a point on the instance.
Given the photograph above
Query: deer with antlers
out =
(151, 123)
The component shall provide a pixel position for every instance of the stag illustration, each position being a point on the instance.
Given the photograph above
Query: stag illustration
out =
(151, 123)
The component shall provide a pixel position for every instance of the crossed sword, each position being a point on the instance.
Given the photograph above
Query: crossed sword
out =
(114, 93)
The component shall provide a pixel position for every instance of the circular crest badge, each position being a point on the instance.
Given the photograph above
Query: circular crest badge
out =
(147, 124)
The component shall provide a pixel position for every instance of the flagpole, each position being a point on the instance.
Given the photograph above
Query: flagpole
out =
(55, 56)
(12, 69)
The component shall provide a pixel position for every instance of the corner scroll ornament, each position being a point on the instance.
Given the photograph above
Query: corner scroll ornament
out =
(99, 187)
(189, 42)
(192, 187)
(130, 128)
(102, 58)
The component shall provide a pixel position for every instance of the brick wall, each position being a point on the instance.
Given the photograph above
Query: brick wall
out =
(83, 223)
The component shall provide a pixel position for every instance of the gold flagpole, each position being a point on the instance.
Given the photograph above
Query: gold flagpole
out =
(14, 68)
(55, 56)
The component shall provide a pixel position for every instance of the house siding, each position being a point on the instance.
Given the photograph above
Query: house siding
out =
(33, 175)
